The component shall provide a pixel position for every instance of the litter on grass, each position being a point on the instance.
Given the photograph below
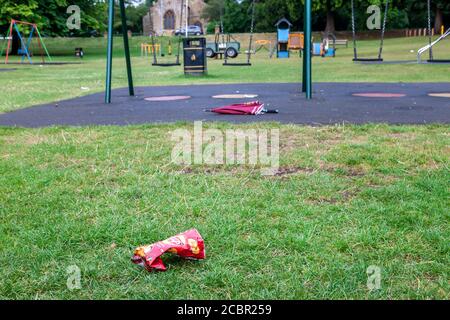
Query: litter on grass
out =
(188, 245)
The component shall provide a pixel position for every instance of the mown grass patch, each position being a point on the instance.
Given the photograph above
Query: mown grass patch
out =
(345, 198)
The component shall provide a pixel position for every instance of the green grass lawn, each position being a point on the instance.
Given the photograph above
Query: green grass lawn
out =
(351, 197)
(348, 197)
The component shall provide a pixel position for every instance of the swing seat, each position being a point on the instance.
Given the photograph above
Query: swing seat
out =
(22, 52)
(438, 61)
(166, 64)
(368, 60)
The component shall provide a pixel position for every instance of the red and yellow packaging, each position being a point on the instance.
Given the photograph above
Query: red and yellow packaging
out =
(189, 245)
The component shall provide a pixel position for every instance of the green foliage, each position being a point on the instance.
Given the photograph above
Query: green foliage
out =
(51, 15)
(19, 10)
(235, 15)
(402, 14)
(134, 17)
(211, 26)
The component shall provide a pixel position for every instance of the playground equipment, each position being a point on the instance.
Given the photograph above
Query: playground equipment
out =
(306, 75)
(221, 44)
(147, 49)
(249, 51)
(25, 49)
(168, 45)
(432, 43)
(165, 48)
(264, 44)
(283, 31)
(318, 49)
(356, 58)
(296, 41)
(126, 47)
(326, 48)
(429, 48)
(224, 45)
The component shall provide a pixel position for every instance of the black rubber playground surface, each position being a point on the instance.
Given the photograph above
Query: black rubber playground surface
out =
(332, 103)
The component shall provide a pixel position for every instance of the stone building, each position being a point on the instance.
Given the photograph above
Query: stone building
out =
(164, 17)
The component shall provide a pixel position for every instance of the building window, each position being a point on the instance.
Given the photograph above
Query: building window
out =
(169, 20)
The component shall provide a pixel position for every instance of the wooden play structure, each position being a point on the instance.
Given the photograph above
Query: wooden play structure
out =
(296, 41)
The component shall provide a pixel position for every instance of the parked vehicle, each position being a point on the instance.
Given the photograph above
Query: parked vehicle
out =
(192, 31)
(221, 45)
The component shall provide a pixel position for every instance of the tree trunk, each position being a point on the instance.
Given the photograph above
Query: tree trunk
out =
(330, 27)
(438, 21)
(330, 22)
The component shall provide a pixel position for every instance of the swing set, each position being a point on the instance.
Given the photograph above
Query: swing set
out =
(379, 58)
(25, 50)
(249, 51)
(431, 44)
(169, 46)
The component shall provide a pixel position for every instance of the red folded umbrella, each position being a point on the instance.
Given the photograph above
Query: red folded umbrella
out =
(247, 108)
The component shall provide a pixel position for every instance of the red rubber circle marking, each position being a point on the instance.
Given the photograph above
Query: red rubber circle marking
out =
(167, 98)
(379, 95)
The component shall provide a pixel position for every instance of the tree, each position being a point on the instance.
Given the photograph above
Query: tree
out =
(417, 13)
(441, 6)
(51, 15)
(268, 12)
(329, 7)
(233, 14)
(135, 13)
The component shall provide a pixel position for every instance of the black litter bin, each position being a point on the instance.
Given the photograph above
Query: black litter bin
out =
(79, 52)
(195, 56)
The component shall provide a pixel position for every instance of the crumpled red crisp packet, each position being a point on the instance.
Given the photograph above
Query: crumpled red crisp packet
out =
(189, 245)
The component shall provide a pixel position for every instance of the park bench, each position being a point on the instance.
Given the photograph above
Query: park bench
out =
(342, 42)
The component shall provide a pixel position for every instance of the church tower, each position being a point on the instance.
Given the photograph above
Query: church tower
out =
(164, 17)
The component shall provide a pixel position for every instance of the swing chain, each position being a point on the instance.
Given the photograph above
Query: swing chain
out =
(355, 54)
(429, 29)
(383, 30)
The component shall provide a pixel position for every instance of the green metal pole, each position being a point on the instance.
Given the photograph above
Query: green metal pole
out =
(307, 55)
(303, 63)
(109, 51)
(5, 43)
(126, 47)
